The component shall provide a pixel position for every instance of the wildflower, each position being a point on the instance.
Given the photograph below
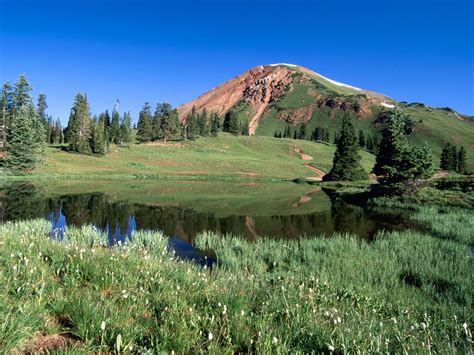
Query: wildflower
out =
(102, 326)
(331, 348)
(209, 336)
(242, 312)
(464, 326)
(275, 340)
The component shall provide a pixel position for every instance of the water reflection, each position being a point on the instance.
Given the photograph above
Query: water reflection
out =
(181, 248)
(118, 219)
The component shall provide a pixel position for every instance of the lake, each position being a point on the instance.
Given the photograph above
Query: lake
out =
(183, 209)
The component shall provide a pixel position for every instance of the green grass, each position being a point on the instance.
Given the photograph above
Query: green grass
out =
(225, 157)
(432, 126)
(404, 292)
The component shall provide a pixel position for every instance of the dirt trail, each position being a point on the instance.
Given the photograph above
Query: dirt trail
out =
(256, 118)
(319, 173)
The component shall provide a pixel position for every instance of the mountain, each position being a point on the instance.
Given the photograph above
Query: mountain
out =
(268, 97)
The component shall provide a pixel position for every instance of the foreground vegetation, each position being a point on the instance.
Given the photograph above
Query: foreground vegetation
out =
(405, 291)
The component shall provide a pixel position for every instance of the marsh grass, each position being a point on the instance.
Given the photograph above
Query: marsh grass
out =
(405, 291)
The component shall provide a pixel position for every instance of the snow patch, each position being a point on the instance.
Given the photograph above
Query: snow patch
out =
(384, 104)
(339, 84)
(277, 64)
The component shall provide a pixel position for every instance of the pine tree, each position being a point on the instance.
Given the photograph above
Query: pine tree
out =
(453, 157)
(166, 126)
(215, 124)
(369, 143)
(362, 143)
(396, 161)
(145, 128)
(462, 156)
(22, 150)
(192, 124)
(231, 122)
(41, 108)
(57, 132)
(125, 129)
(78, 130)
(114, 129)
(446, 158)
(287, 133)
(98, 142)
(5, 110)
(203, 124)
(303, 131)
(346, 162)
(25, 133)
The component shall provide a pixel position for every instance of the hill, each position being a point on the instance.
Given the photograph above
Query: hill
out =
(269, 97)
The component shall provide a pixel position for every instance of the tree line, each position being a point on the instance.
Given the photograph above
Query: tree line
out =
(321, 134)
(397, 162)
(88, 134)
(453, 158)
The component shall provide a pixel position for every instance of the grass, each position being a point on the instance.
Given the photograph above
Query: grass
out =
(432, 126)
(226, 157)
(404, 292)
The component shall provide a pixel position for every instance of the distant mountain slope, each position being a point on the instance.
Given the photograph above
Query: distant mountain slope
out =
(269, 97)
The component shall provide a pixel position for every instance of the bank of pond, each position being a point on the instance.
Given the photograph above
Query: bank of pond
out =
(106, 270)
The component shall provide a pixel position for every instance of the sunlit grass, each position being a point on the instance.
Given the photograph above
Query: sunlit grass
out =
(405, 291)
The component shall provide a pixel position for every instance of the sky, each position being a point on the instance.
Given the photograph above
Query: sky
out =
(173, 51)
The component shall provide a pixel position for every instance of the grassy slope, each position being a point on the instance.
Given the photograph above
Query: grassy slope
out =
(225, 156)
(404, 292)
(433, 126)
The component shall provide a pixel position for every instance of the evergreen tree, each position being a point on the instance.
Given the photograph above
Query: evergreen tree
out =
(287, 133)
(295, 134)
(326, 135)
(231, 122)
(362, 143)
(166, 126)
(453, 157)
(57, 132)
(98, 137)
(5, 106)
(23, 146)
(41, 107)
(462, 156)
(336, 138)
(78, 130)
(396, 160)
(346, 162)
(303, 131)
(215, 124)
(114, 129)
(446, 157)
(108, 121)
(145, 128)
(184, 131)
(203, 123)
(192, 127)
(25, 133)
(125, 129)
(369, 143)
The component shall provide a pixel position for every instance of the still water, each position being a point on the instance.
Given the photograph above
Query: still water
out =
(184, 209)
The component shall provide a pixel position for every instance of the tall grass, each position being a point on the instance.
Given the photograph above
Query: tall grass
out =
(406, 291)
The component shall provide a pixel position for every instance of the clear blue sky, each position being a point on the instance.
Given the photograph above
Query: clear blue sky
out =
(137, 51)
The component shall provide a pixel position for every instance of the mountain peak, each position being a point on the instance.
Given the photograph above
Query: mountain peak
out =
(259, 88)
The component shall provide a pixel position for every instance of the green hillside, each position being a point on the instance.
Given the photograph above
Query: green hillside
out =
(327, 103)
(226, 156)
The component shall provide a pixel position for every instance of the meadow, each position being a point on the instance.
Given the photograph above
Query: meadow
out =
(225, 157)
(406, 291)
